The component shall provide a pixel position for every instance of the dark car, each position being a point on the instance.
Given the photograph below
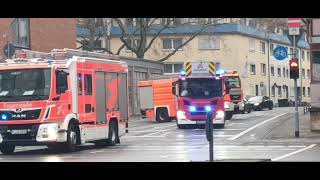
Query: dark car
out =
(261, 102)
(247, 106)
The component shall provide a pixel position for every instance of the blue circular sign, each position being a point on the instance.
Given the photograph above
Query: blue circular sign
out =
(280, 53)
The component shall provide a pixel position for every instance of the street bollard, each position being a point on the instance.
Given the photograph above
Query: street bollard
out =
(209, 134)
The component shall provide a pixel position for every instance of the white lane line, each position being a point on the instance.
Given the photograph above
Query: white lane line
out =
(93, 152)
(293, 153)
(253, 127)
(142, 137)
(160, 131)
(296, 146)
(233, 124)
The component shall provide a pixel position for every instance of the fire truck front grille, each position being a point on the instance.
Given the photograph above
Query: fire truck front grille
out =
(23, 115)
(235, 97)
(8, 136)
(198, 113)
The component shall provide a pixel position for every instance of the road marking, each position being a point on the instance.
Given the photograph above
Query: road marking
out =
(142, 137)
(93, 152)
(215, 135)
(293, 153)
(296, 146)
(232, 124)
(253, 127)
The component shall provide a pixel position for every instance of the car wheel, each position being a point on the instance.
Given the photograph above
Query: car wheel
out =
(270, 107)
(7, 149)
(113, 136)
(228, 115)
(162, 115)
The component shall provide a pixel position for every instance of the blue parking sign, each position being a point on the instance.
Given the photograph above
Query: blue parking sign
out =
(280, 53)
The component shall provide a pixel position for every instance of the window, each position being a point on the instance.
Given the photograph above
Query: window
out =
(262, 47)
(251, 45)
(284, 72)
(303, 74)
(297, 53)
(193, 21)
(252, 89)
(88, 84)
(272, 71)
(291, 52)
(309, 91)
(273, 91)
(287, 73)
(304, 91)
(20, 32)
(279, 91)
(263, 69)
(252, 69)
(308, 56)
(308, 73)
(79, 84)
(302, 55)
(279, 72)
(173, 68)
(257, 90)
(271, 47)
(209, 43)
(171, 44)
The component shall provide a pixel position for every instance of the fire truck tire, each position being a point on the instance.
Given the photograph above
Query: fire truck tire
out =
(7, 149)
(162, 115)
(229, 115)
(113, 136)
(182, 126)
(72, 136)
(219, 126)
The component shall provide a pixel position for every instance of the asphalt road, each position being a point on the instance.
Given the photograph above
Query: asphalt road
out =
(242, 139)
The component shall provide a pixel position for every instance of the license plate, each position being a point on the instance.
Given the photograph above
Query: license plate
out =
(20, 131)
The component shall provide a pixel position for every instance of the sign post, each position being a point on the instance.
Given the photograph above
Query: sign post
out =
(294, 25)
(209, 134)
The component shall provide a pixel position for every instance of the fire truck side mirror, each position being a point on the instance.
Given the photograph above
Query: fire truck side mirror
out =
(174, 88)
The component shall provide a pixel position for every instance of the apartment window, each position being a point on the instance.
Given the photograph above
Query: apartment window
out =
(263, 69)
(279, 91)
(209, 42)
(173, 68)
(252, 69)
(303, 74)
(272, 71)
(298, 53)
(302, 55)
(20, 32)
(308, 56)
(88, 84)
(291, 52)
(262, 47)
(308, 73)
(279, 72)
(257, 90)
(284, 72)
(304, 91)
(273, 91)
(271, 47)
(251, 45)
(309, 93)
(171, 44)
(287, 73)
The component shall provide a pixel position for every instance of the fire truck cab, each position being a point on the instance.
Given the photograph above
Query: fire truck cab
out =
(62, 99)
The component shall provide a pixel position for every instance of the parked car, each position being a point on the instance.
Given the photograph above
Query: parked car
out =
(261, 102)
(247, 106)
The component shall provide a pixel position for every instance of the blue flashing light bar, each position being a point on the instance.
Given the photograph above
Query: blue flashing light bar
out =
(192, 108)
(208, 108)
(182, 73)
(4, 117)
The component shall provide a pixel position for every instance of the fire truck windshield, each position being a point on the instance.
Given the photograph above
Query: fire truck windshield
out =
(233, 82)
(25, 85)
(201, 88)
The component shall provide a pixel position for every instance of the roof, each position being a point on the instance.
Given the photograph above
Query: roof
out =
(220, 29)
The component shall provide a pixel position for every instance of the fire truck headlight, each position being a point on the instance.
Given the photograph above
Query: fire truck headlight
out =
(192, 108)
(256, 104)
(181, 115)
(208, 108)
(47, 132)
(220, 114)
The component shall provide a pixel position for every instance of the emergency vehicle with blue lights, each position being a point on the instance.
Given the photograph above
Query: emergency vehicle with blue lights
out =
(62, 99)
(187, 98)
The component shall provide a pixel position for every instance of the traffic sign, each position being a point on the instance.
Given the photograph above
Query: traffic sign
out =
(280, 53)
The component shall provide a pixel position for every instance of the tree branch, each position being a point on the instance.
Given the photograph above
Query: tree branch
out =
(119, 50)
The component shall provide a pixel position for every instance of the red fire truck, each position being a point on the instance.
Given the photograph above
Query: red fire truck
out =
(62, 99)
(195, 92)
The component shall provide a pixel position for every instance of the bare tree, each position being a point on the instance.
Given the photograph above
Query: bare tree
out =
(139, 35)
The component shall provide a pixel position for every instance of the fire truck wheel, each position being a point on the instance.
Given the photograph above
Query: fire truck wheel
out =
(228, 115)
(162, 115)
(7, 149)
(71, 144)
(182, 126)
(113, 136)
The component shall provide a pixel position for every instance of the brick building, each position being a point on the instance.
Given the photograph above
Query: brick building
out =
(38, 34)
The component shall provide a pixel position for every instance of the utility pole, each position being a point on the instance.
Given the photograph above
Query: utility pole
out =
(296, 113)
(209, 134)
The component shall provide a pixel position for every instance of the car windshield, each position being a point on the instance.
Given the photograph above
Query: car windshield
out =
(256, 99)
(201, 88)
(232, 82)
(25, 85)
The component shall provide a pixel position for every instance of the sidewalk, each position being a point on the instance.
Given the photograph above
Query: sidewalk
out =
(285, 131)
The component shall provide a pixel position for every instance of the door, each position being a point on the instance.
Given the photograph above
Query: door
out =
(100, 98)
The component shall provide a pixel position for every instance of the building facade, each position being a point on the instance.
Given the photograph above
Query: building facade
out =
(38, 34)
(236, 46)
